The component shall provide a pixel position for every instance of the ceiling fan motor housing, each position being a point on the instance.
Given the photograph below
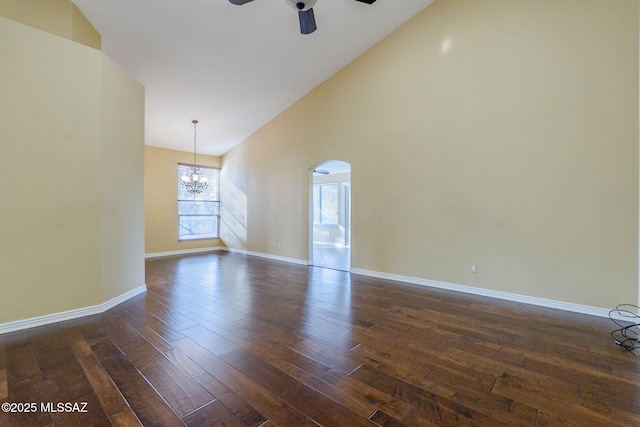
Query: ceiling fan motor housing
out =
(302, 5)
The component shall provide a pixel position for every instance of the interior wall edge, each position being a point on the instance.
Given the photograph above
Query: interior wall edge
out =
(268, 256)
(184, 252)
(638, 177)
(48, 319)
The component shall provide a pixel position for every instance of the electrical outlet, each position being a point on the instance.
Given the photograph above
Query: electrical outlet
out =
(474, 268)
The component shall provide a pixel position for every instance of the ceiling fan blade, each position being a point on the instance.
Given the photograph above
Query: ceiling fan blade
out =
(307, 21)
(241, 2)
(367, 1)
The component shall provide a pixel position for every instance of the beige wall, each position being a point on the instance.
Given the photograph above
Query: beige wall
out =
(71, 202)
(493, 132)
(122, 185)
(59, 17)
(160, 200)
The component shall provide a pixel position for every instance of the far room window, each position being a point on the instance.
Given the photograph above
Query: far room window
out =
(199, 214)
(325, 203)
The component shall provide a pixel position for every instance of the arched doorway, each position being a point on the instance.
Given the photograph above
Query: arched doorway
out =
(330, 215)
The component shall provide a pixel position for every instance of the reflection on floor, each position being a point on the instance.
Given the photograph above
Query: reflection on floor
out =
(331, 256)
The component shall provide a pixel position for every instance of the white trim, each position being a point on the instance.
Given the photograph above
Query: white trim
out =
(543, 302)
(268, 256)
(69, 315)
(559, 305)
(183, 252)
(329, 245)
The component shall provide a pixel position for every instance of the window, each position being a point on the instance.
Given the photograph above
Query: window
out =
(199, 214)
(325, 203)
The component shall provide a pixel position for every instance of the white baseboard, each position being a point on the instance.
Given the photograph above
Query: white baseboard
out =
(184, 252)
(268, 256)
(543, 302)
(19, 325)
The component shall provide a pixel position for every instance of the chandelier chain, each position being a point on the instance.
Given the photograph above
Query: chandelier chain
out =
(195, 131)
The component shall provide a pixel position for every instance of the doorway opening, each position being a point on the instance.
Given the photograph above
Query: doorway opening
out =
(330, 218)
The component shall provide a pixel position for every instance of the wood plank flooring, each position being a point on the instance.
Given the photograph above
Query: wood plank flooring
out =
(224, 339)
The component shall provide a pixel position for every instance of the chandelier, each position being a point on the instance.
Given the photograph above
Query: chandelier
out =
(194, 183)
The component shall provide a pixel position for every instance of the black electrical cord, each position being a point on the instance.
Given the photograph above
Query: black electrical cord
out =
(628, 333)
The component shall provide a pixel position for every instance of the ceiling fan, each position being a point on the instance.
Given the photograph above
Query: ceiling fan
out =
(305, 12)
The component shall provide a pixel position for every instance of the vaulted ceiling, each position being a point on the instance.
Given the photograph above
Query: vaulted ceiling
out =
(231, 67)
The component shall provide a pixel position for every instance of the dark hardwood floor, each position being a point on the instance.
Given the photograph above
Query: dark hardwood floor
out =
(228, 340)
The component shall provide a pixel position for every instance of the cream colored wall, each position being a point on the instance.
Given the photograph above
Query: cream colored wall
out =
(161, 195)
(122, 183)
(62, 173)
(59, 17)
(496, 132)
(82, 31)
